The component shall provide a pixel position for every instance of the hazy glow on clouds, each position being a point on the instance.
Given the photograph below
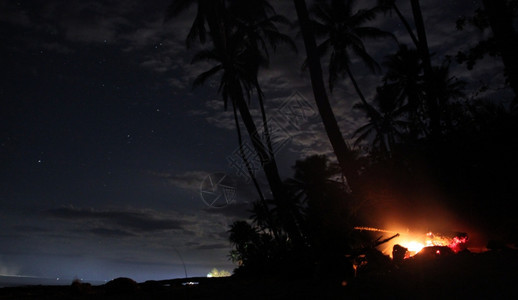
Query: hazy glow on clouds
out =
(8, 269)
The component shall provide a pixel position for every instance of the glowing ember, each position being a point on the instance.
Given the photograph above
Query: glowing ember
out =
(415, 243)
(456, 244)
(413, 246)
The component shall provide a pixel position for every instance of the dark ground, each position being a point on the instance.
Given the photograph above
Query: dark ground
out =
(489, 275)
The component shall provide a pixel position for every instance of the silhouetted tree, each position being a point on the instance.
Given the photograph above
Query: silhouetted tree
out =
(210, 12)
(502, 20)
(325, 214)
(447, 88)
(239, 66)
(342, 152)
(255, 22)
(404, 74)
(245, 239)
(391, 5)
(343, 31)
(239, 45)
(424, 51)
(387, 123)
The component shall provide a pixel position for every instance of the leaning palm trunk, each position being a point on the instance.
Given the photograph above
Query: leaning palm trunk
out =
(252, 176)
(244, 158)
(360, 93)
(269, 166)
(334, 134)
(405, 23)
(357, 87)
(266, 129)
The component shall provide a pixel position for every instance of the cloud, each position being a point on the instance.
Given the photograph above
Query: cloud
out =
(235, 210)
(215, 114)
(108, 232)
(116, 221)
(189, 180)
(213, 246)
(11, 13)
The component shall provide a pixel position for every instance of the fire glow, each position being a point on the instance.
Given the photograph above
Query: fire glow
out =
(456, 243)
(415, 243)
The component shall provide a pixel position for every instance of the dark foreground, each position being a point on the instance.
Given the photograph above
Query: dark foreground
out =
(489, 275)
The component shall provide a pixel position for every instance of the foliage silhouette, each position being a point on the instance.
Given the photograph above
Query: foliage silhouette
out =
(343, 154)
(343, 31)
(500, 16)
(422, 135)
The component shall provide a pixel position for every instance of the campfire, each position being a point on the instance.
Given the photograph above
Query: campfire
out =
(408, 245)
(456, 242)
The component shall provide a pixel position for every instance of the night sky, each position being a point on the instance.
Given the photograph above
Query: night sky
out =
(104, 144)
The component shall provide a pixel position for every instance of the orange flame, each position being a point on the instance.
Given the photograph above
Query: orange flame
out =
(416, 242)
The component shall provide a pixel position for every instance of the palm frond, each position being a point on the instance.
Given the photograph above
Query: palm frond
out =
(204, 55)
(200, 79)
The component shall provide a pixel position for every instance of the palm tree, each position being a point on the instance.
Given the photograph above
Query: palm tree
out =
(255, 21)
(251, 172)
(404, 74)
(340, 148)
(387, 123)
(343, 32)
(424, 51)
(325, 214)
(446, 88)
(421, 44)
(210, 12)
(245, 239)
(391, 5)
(239, 66)
(239, 51)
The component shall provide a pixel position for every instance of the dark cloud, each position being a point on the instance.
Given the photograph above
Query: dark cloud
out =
(136, 221)
(213, 246)
(110, 233)
(29, 229)
(190, 180)
(233, 210)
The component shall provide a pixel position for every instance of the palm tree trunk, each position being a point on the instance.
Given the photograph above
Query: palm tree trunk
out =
(406, 24)
(334, 134)
(501, 21)
(269, 166)
(252, 176)
(245, 159)
(431, 98)
(266, 128)
(360, 94)
(357, 87)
